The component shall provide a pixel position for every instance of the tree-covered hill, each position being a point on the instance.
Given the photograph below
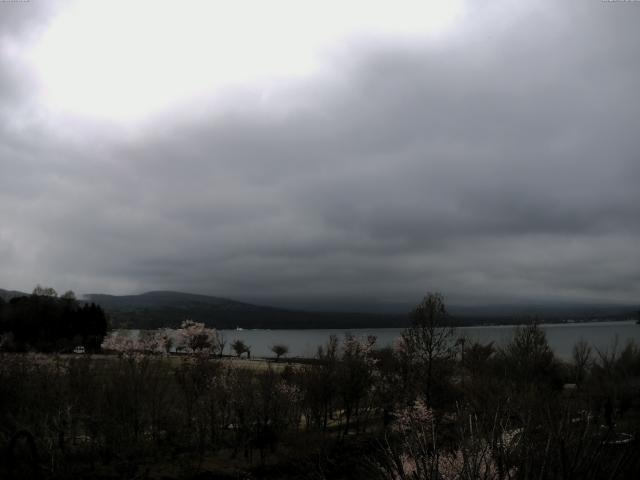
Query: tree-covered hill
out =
(168, 309)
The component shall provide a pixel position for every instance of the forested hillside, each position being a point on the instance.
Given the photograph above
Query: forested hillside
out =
(169, 309)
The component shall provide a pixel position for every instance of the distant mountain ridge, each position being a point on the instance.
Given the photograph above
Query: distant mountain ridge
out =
(156, 309)
(166, 298)
(168, 309)
(7, 295)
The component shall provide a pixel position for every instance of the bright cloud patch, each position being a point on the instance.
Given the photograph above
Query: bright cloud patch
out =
(126, 60)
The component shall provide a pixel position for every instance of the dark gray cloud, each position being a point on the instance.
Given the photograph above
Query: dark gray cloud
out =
(501, 165)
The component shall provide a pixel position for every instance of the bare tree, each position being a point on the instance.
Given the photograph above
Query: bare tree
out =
(220, 342)
(239, 347)
(41, 291)
(430, 337)
(581, 360)
(528, 356)
(279, 351)
(69, 295)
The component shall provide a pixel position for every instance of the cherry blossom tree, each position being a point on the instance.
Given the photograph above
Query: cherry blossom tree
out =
(197, 338)
(120, 343)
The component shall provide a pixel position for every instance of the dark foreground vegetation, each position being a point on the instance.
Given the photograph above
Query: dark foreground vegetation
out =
(435, 406)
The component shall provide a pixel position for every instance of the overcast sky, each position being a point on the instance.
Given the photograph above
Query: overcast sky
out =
(309, 153)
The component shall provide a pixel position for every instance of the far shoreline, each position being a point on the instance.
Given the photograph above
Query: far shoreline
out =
(402, 327)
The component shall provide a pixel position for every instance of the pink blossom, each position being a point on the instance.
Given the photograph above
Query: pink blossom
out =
(415, 417)
(195, 337)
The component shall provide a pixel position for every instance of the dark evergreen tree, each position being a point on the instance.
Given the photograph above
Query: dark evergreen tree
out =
(47, 323)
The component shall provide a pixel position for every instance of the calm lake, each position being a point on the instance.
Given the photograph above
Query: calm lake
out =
(561, 337)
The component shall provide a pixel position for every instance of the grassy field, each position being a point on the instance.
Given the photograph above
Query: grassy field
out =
(256, 363)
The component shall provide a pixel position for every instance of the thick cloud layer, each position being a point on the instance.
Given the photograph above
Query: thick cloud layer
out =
(500, 165)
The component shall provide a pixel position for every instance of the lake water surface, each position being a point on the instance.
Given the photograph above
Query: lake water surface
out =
(561, 337)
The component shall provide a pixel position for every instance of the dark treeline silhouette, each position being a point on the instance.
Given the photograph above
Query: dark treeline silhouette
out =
(433, 406)
(45, 322)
